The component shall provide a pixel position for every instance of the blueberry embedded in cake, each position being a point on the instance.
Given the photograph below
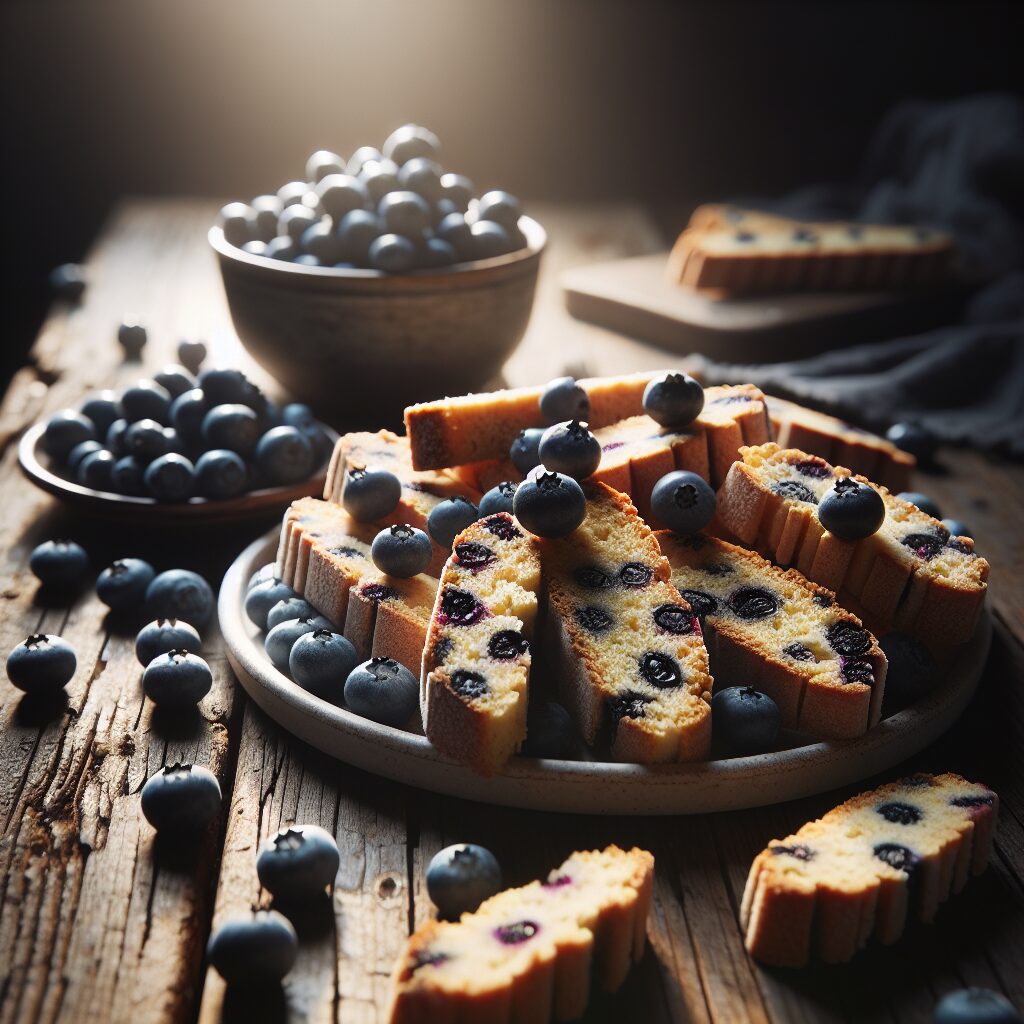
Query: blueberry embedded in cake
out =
(864, 867)
(476, 661)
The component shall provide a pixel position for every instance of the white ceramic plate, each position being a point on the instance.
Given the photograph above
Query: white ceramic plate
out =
(592, 787)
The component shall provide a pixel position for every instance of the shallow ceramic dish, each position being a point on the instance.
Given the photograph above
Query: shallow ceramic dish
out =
(592, 787)
(360, 345)
(35, 463)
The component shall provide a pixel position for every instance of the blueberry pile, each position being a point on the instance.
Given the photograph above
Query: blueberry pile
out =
(394, 210)
(176, 436)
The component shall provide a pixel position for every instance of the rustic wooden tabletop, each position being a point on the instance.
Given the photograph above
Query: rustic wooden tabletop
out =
(100, 921)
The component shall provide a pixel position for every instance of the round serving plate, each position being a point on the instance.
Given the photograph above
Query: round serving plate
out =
(591, 787)
(107, 505)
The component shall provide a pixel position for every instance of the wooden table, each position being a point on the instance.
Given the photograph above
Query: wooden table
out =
(100, 921)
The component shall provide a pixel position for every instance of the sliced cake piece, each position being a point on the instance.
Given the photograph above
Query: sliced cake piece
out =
(530, 955)
(840, 443)
(910, 574)
(624, 646)
(787, 636)
(734, 415)
(859, 871)
(476, 663)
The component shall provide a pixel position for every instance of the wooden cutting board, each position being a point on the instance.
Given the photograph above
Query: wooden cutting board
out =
(635, 297)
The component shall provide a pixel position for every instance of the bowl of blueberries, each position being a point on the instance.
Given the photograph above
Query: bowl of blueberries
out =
(380, 281)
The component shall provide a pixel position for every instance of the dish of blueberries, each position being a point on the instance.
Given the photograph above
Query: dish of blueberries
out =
(179, 445)
(303, 673)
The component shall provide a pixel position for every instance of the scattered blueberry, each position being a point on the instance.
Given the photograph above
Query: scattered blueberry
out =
(177, 679)
(383, 690)
(683, 501)
(261, 575)
(457, 189)
(145, 440)
(228, 387)
(912, 672)
(115, 437)
(146, 399)
(401, 550)
(552, 505)
(391, 253)
(295, 221)
(570, 448)
(59, 563)
(79, 452)
(280, 639)
(233, 426)
(409, 142)
(170, 477)
(181, 798)
(321, 661)
(564, 399)
(448, 518)
(356, 231)
(957, 528)
(369, 494)
(128, 476)
(163, 635)
(851, 511)
(490, 240)
(175, 379)
(422, 176)
(290, 608)
(454, 230)
(436, 252)
(500, 207)
(42, 663)
(96, 470)
(922, 501)
(913, 438)
(220, 473)
(254, 950)
(744, 721)
(298, 863)
(181, 594)
(380, 177)
(284, 455)
(283, 247)
(187, 414)
(102, 408)
(123, 584)
(461, 877)
(549, 731)
(68, 281)
(65, 430)
(975, 1006)
(132, 337)
(674, 400)
(498, 499)
(525, 449)
(340, 194)
(263, 596)
(321, 245)
(192, 353)
(323, 163)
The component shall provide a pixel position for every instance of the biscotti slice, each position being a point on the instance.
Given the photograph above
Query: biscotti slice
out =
(530, 955)
(859, 870)
(474, 428)
(476, 663)
(734, 415)
(795, 426)
(774, 629)
(624, 646)
(910, 574)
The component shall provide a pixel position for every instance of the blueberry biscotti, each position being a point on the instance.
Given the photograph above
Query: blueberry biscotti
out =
(476, 662)
(910, 573)
(623, 644)
(815, 660)
(860, 869)
(528, 955)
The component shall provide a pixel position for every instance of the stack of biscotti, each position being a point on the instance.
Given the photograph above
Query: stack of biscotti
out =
(530, 954)
(731, 250)
(795, 426)
(909, 574)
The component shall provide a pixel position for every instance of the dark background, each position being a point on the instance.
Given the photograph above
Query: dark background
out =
(668, 103)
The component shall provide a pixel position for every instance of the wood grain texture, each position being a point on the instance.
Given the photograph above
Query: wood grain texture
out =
(99, 921)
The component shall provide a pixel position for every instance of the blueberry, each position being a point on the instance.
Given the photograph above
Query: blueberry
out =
(280, 638)
(401, 550)
(180, 594)
(321, 246)
(564, 399)
(422, 176)
(43, 663)
(283, 247)
(975, 1006)
(236, 220)
(363, 155)
(913, 438)
(96, 471)
(405, 213)
(223, 386)
(369, 494)
(851, 511)
(102, 408)
(264, 211)
(323, 163)
(145, 439)
(498, 499)
(570, 448)
(163, 635)
(132, 337)
(58, 563)
(458, 189)
(254, 950)
(220, 474)
(500, 207)
(177, 679)
(123, 584)
(436, 252)
(255, 248)
(146, 399)
(292, 193)
(409, 142)
(290, 608)
(263, 596)
(753, 603)
(191, 354)
(490, 240)
(284, 455)
(912, 672)
(170, 477)
(233, 426)
(383, 690)
(379, 178)
(549, 731)
(128, 476)
(461, 877)
(298, 863)
(115, 437)
(261, 575)
(356, 232)
(295, 221)
(321, 661)
(65, 430)
(957, 528)
(673, 400)
(683, 501)
(922, 501)
(448, 518)
(68, 281)
(181, 798)
(79, 452)
(744, 721)
(525, 449)
(552, 505)
(392, 254)
(340, 194)
(454, 230)
(176, 380)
